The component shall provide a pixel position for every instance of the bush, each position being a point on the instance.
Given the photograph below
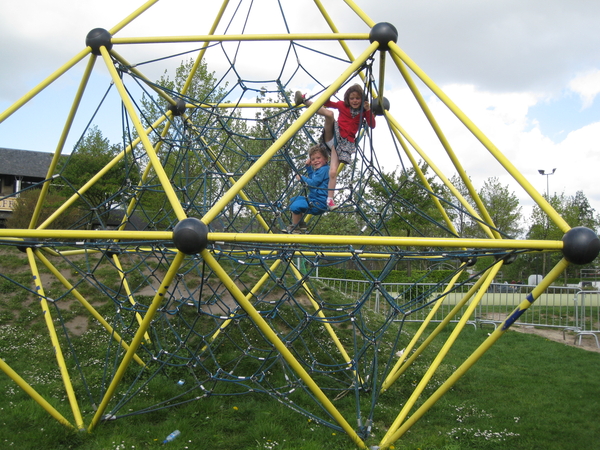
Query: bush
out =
(25, 206)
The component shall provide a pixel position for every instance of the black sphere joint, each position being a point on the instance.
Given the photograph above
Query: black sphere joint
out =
(376, 106)
(383, 33)
(29, 243)
(112, 251)
(190, 236)
(178, 109)
(98, 37)
(580, 245)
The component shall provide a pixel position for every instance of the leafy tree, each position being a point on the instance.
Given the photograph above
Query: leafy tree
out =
(405, 205)
(88, 158)
(501, 204)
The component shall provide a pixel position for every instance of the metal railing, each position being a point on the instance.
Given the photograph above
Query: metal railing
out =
(567, 308)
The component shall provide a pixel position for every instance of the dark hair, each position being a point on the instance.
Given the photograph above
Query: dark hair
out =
(354, 88)
(319, 148)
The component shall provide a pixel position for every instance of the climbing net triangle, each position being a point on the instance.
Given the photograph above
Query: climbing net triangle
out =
(197, 283)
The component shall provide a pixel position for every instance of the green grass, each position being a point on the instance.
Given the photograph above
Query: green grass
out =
(525, 393)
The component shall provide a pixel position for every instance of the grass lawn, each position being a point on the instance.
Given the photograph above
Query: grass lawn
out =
(525, 393)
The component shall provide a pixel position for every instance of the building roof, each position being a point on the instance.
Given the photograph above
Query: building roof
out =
(24, 163)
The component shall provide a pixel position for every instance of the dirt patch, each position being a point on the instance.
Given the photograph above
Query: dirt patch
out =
(588, 342)
(78, 325)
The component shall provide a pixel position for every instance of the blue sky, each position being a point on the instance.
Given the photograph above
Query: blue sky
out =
(556, 118)
(527, 73)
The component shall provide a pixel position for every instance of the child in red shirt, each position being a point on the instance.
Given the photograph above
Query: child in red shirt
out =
(340, 135)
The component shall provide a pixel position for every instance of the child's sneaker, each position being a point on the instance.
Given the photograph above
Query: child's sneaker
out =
(302, 226)
(331, 204)
(298, 98)
(293, 229)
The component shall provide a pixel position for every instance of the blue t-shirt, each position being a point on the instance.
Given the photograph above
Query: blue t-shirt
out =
(317, 182)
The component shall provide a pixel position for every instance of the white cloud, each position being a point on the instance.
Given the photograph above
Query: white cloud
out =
(587, 86)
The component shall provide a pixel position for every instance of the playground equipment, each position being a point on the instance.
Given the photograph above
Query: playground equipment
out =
(200, 285)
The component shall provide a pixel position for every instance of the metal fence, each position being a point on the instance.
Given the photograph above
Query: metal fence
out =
(566, 308)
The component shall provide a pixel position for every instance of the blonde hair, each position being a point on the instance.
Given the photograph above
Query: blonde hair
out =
(319, 148)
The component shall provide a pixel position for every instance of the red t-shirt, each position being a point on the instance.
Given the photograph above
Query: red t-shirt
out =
(349, 125)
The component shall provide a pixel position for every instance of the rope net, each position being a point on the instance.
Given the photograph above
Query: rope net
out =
(249, 312)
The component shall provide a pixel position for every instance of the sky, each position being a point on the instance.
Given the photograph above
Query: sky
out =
(526, 73)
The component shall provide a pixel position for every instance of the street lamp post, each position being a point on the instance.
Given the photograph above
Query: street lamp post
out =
(547, 174)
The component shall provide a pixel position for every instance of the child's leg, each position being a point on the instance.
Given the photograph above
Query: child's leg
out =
(296, 218)
(333, 170)
(329, 120)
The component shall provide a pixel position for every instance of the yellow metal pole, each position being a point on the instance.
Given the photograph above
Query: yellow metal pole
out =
(399, 132)
(139, 336)
(85, 303)
(325, 322)
(54, 339)
(280, 346)
(512, 244)
(44, 84)
(138, 316)
(216, 22)
(61, 142)
(407, 351)
(442, 353)
(478, 353)
(286, 136)
(442, 138)
(33, 393)
(131, 17)
(359, 12)
(242, 37)
(424, 180)
(442, 325)
(250, 294)
(539, 199)
(380, 240)
(156, 165)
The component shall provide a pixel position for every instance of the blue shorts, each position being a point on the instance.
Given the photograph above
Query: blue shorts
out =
(300, 205)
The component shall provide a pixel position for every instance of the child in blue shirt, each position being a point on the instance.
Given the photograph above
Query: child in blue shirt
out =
(317, 180)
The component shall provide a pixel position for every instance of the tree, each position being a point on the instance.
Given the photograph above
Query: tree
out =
(576, 211)
(501, 204)
(88, 158)
(404, 206)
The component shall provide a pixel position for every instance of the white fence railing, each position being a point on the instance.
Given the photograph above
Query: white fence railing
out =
(568, 308)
